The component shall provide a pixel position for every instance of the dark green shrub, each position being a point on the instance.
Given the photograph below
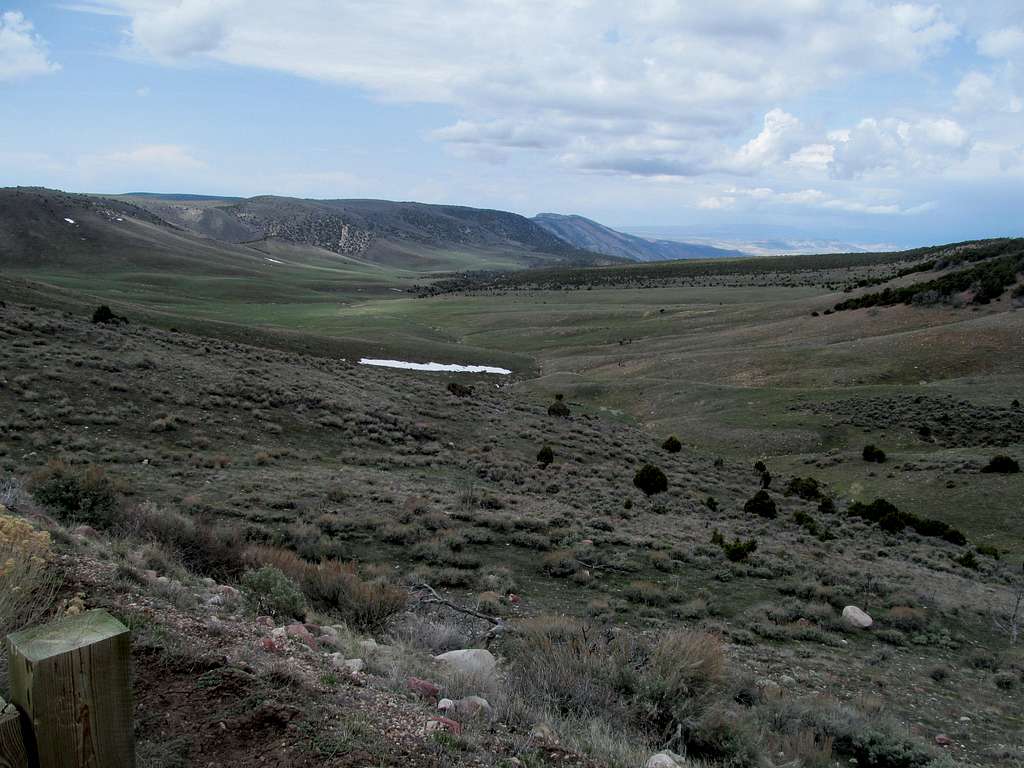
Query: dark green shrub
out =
(650, 480)
(873, 453)
(717, 538)
(274, 594)
(766, 479)
(827, 506)
(103, 314)
(460, 390)
(559, 408)
(559, 564)
(81, 496)
(672, 444)
(1002, 464)
(759, 467)
(988, 550)
(737, 550)
(967, 560)
(954, 536)
(872, 512)
(761, 504)
(807, 488)
(545, 456)
(711, 504)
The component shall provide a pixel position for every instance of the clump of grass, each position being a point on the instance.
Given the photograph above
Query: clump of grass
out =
(274, 594)
(81, 496)
(364, 604)
(28, 578)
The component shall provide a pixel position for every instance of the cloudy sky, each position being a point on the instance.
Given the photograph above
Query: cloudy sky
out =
(855, 120)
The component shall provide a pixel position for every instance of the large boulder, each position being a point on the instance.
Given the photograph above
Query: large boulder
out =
(665, 759)
(468, 708)
(856, 618)
(470, 661)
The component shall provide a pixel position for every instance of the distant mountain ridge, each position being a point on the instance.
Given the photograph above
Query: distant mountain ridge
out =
(588, 235)
(379, 231)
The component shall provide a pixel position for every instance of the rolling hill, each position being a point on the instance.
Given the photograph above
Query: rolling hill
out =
(588, 235)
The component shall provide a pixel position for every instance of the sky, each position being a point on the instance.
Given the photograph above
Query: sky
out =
(860, 121)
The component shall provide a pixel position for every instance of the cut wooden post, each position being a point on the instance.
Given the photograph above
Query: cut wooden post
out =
(71, 679)
(12, 743)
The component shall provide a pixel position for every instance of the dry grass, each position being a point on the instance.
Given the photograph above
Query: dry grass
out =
(28, 578)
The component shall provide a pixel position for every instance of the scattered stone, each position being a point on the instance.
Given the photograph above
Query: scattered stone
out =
(544, 733)
(299, 632)
(435, 724)
(349, 665)
(665, 759)
(470, 661)
(271, 645)
(856, 618)
(265, 621)
(424, 688)
(943, 740)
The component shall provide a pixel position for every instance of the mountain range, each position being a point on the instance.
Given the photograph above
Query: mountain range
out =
(55, 227)
(590, 236)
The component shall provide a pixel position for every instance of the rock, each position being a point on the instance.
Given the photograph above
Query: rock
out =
(544, 733)
(470, 661)
(299, 632)
(228, 592)
(435, 724)
(271, 644)
(265, 621)
(352, 666)
(787, 681)
(279, 633)
(665, 759)
(85, 532)
(424, 688)
(469, 708)
(943, 740)
(856, 618)
(768, 687)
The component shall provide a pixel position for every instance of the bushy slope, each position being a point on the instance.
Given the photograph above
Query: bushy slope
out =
(419, 484)
(589, 235)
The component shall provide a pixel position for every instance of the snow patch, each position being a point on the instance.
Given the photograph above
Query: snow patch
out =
(69, 221)
(273, 260)
(449, 367)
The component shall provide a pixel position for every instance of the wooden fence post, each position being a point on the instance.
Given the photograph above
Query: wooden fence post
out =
(12, 742)
(71, 679)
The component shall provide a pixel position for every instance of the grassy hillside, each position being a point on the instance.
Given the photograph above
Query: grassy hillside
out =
(195, 460)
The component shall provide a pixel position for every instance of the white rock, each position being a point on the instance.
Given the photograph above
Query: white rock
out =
(338, 661)
(467, 708)
(855, 617)
(470, 661)
(544, 733)
(665, 759)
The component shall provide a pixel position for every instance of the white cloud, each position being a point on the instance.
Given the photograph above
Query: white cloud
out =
(653, 87)
(752, 198)
(778, 139)
(978, 92)
(156, 158)
(1003, 43)
(22, 52)
(892, 146)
